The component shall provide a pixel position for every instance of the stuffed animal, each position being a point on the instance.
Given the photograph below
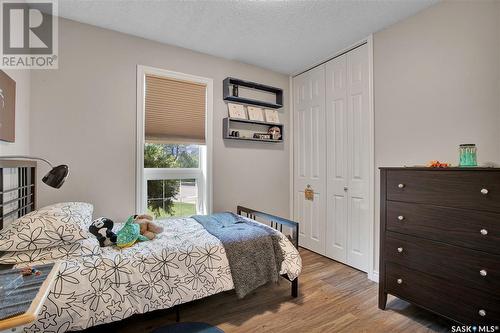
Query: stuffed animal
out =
(129, 234)
(102, 228)
(148, 227)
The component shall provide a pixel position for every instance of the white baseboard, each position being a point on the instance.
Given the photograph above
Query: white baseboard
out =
(374, 276)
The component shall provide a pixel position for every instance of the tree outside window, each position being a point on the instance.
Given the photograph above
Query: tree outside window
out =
(171, 197)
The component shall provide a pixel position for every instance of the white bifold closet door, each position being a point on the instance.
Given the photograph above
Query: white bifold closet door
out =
(347, 119)
(341, 209)
(310, 158)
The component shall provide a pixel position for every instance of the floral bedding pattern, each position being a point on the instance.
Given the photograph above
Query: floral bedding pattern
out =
(182, 264)
(53, 225)
(82, 248)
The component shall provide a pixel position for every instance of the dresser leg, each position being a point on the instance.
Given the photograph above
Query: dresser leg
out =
(382, 300)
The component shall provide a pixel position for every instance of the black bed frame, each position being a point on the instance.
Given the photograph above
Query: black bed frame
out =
(25, 190)
(26, 202)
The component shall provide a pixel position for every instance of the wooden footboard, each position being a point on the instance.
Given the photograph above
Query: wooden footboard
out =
(277, 223)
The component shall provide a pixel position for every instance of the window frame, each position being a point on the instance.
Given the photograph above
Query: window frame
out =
(202, 174)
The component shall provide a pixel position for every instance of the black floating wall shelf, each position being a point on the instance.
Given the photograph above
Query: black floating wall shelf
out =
(247, 128)
(232, 82)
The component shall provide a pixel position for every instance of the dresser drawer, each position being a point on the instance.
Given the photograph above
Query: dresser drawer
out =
(458, 265)
(457, 302)
(479, 190)
(460, 227)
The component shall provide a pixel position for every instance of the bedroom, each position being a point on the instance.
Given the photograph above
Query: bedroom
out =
(433, 83)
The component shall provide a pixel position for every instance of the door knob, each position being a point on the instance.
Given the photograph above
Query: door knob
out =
(484, 191)
(345, 188)
(401, 217)
(309, 193)
(401, 185)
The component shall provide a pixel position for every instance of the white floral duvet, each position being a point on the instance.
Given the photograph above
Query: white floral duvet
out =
(182, 264)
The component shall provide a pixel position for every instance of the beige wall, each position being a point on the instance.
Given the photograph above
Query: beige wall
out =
(21, 145)
(84, 114)
(437, 85)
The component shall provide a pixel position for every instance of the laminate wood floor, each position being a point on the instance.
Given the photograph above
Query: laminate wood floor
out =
(332, 298)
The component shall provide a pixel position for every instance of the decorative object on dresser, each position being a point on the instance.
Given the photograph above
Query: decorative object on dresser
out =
(440, 241)
(468, 155)
(7, 108)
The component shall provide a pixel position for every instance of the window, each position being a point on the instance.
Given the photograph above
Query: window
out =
(173, 159)
(170, 189)
(173, 197)
(171, 156)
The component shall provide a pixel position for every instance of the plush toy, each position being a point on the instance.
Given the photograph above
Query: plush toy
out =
(147, 226)
(129, 234)
(102, 228)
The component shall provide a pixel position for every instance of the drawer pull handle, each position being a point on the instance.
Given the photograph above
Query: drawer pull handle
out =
(484, 191)
(482, 313)
(400, 249)
(483, 272)
(399, 281)
(401, 217)
(401, 185)
(484, 232)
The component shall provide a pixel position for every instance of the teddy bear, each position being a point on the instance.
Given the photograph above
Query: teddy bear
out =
(102, 228)
(148, 227)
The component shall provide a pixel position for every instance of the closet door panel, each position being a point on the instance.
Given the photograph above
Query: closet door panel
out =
(309, 157)
(358, 158)
(337, 155)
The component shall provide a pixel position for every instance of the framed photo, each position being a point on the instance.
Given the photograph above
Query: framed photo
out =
(255, 113)
(272, 116)
(7, 108)
(236, 111)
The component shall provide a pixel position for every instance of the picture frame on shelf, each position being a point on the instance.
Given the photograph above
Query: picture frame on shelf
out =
(236, 111)
(272, 116)
(255, 113)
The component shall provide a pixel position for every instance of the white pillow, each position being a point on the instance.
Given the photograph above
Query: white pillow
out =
(53, 225)
(82, 248)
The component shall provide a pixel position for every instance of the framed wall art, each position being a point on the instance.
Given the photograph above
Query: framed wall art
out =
(255, 113)
(236, 111)
(7, 108)
(272, 116)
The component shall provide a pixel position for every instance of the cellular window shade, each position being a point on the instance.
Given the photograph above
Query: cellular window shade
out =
(174, 111)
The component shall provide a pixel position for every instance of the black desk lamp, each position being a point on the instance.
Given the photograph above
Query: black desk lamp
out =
(54, 178)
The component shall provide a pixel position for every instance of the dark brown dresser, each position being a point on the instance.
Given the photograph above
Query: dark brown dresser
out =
(440, 241)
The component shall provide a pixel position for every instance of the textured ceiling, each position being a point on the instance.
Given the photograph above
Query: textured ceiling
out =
(284, 36)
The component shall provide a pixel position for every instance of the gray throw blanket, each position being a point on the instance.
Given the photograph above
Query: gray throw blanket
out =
(252, 249)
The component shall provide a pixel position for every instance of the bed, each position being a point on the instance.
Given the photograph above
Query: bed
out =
(184, 263)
